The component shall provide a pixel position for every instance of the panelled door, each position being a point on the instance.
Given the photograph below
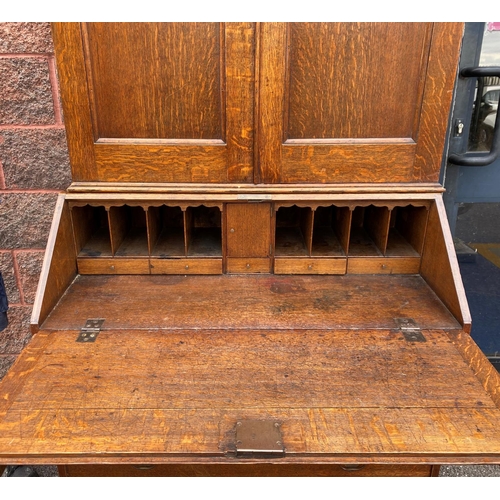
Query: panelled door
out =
(158, 102)
(257, 102)
(354, 102)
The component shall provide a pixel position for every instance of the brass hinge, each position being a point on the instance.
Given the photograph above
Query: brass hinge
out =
(91, 330)
(410, 330)
(259, 439)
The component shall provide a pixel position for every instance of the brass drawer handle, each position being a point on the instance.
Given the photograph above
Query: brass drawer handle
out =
(143, 467)
(353, 467)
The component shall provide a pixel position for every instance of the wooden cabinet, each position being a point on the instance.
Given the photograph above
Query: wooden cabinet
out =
(252, 272)
(264, 103)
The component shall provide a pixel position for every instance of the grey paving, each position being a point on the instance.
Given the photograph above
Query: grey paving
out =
(470, 471)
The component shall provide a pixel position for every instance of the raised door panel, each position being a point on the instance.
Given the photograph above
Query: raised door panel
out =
(354, 102)
(158, 102)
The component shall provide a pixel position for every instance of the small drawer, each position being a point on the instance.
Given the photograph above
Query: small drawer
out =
(113, 266)
(251, 265)
(186, 266)
(383, 265)
(309, 266)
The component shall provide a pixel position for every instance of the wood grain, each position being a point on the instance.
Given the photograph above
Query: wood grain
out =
(177, 91)
(284, 265)
(272, 71)
(440, 267)
(332, 131)
(160, 163)
(284, 302)
(89, 189)
(240, 98)
(342, 225)
(116, 265)
(192, 100)
(411, 222)
(441, 73)
(377, 225)
(251, 369)
(186, 266)
(383, 265)
(343, 85)
(119, 225)
(248, 265)
(347, 163)
(113, 400)
(75, 99)
(479, 364)
(248, 229)
(91, 231)
(59, 264)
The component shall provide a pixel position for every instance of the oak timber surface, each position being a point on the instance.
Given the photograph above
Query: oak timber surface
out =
(154, 393)
(249, 302)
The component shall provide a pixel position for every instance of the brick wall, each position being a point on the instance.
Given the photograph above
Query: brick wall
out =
(34, 167)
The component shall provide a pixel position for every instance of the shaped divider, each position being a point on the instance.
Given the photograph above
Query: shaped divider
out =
(369, 231)
(91, 231)
(203, 232)
(128, 231)
(293, 231)
(407, 231)
(166, 232)
(331, 231)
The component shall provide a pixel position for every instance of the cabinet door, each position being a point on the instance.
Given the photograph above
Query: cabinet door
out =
(354, 102)
(158, 102)
(248, 237)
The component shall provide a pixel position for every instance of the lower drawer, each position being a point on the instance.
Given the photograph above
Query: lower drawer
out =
(248, 265)
(383, 265)
(248, 470)
(114, 265)
(186, 266)
(285, 265)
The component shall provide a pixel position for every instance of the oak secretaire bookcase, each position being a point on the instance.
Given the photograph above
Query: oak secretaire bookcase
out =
(252, 272)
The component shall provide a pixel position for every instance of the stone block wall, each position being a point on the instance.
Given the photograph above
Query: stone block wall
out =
(34, 167)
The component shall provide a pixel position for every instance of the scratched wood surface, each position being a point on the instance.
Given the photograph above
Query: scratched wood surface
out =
(246, 301)
(133, 393)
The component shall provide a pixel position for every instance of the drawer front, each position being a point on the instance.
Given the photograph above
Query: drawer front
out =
(186, 266)
(383, 265)
(114, 265)
(239, 266)
(247, 470)
(309, 266)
